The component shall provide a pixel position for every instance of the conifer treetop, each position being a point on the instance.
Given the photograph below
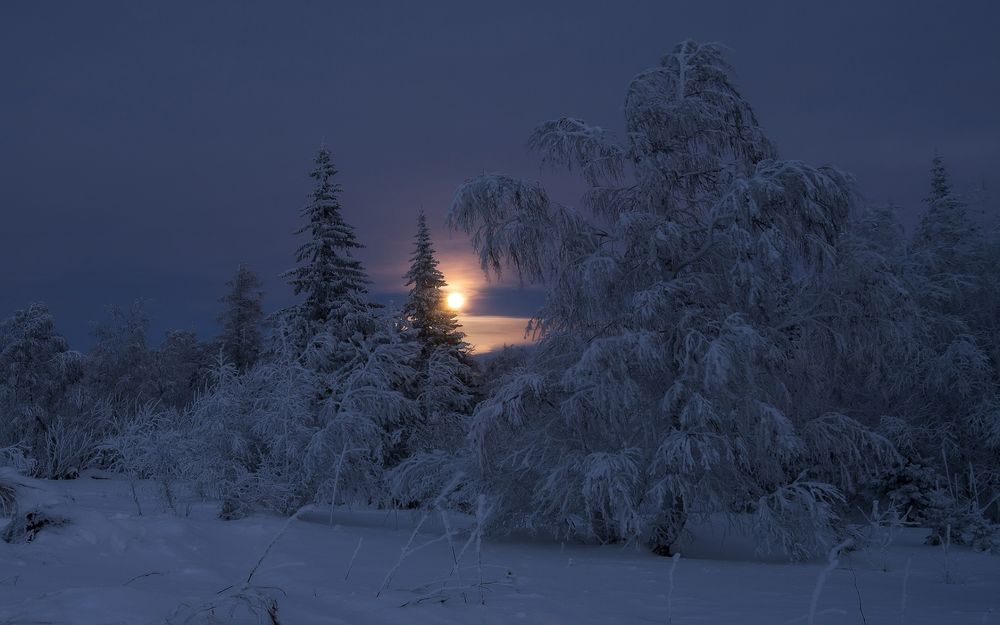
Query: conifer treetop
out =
(940, 186)
(425, 308)
(327, 272)
(945, 233)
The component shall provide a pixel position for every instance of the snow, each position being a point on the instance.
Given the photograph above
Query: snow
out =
(112, 566)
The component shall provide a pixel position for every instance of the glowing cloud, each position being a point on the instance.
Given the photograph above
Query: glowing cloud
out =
(487, 333)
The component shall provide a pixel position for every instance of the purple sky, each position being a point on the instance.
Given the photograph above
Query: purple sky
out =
(147, 149)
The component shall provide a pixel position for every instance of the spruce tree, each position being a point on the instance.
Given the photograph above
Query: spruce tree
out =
(445, 378)
(241, 320)
(945, 255)
(946, 238)
(425, 310)
(356, 357)
(327, 274)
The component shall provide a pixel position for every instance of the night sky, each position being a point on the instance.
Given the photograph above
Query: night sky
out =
(148, 149)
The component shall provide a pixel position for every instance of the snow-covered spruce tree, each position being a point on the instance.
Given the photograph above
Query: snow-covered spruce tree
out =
(432, 443)
(39, 395)
(242, 319)
(949, 415)
(985, 323)
(445, 376)
(945, 246)
(325, 405)
(944, 254)
(949, 268)
(659, 388)
(336, 312)
(328, 275)
(425, 310)
(364, 366)
(981, 311)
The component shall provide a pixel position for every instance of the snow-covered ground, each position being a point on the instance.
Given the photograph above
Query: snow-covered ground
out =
(112, 566)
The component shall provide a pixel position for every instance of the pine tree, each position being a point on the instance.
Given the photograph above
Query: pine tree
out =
(241, 320)
(357, 358)
(953, 415)
(944, 276)
(327, 273)
(425, 310)
(444, 383)
(946, 240)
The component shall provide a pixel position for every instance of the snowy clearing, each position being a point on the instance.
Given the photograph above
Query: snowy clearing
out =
(112, 566)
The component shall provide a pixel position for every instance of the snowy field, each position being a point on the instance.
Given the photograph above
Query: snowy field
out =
(111, 566)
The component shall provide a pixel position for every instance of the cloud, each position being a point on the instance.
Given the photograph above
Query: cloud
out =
(487, 333)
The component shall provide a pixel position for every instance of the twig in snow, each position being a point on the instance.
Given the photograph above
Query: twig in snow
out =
(404, 552)
(150, 574)
(861, 607)
(451, 544)
(274, 541)
(350, 564)
(255, 600)
(444, 592)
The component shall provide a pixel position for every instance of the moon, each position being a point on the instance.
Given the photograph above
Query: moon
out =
(456, 301)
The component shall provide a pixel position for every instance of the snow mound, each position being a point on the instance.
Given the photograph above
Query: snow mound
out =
(31, 504)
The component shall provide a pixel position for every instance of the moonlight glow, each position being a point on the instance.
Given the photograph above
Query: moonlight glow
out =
(456, 301)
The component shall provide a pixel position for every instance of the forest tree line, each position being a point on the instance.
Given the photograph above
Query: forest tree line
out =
(724, 332)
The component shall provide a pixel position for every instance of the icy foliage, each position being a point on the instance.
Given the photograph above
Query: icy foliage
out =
(278, 436)
(319, 415)
(726, 334)
(960, 521)
(252, 430)
(39, 393)
(677, 305)
(944, 391)
(364, 408)
(445, 401)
